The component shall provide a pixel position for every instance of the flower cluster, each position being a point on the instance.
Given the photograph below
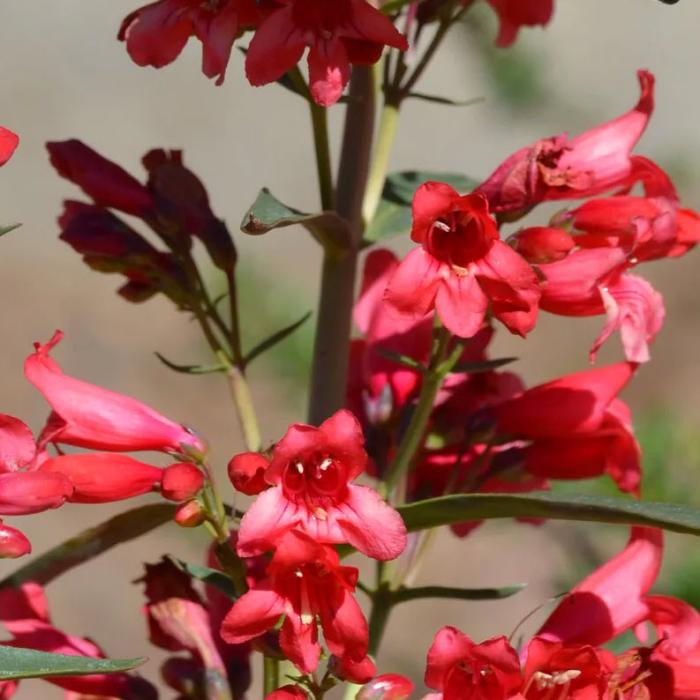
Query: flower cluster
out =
(307, 503)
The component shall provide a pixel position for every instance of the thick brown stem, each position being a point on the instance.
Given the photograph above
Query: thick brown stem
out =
(331, 347)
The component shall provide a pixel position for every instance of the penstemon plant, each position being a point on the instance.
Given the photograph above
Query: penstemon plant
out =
(412, 424)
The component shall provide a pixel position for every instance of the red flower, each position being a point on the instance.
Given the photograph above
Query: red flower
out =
(576, 428)
(573, 672)
(24, 612)
(338, 34)
(103, 477)
(305, 582)
(105, 182)
(8, 143)
(24, 493)
(463, 670)
(90, 416)
(310, 471)
(612, 599)
(559, 168)
(156, 34)
(462, 266)
(513, 14)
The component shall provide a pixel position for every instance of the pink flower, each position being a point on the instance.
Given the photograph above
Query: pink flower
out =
(105, 182)
(8, 143)
(90, 416)
(612, 599)
(463, 670)
(305, 582)
(24, 612)
(513, 14)
(338, 34)
(563, 168)
(103, 477)
(156, 34)
(310, 471)
(462, 266)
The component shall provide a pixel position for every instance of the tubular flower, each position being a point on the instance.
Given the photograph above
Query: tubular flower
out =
(575, 427)
(24, 612)
(338, 34)
(156, 34)
(310, 471)
(514, 14)
(563, 168)
(463, 670)
(462, 266)
(90, 416)
(306, 583)
(8, 144)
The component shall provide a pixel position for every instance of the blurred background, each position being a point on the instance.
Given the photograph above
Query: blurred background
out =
(65, 75)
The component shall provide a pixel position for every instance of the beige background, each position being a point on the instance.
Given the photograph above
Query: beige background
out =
(64, 75)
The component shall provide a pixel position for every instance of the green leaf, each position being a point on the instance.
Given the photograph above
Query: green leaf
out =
(444, 100)
(393, 215)
(483, 366)
(91, 543)
(447, 510)
(392, 6)
(191, 369)
(7, 229)
(268, 213)
(16, 663)
(403, 360)
(403, 595)
(212, 577)
(276, 338)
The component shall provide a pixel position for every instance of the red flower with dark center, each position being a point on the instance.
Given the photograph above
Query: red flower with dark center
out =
(338, 34)
(311, 470)
(463, 266)
(305, 583)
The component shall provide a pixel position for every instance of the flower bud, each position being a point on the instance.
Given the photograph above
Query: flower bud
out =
(354, 670)
(288, 692)
(388, 686)
(247, 473)
(24, 493)
(190, 514)
(543, 244)
(181, 481)
(103, 477)
(13, 543)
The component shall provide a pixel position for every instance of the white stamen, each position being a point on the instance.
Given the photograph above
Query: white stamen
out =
(442, 226)
(566, 676)
(325, 464)
(298, 574)
(299, 467)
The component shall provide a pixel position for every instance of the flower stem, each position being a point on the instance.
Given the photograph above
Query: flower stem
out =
(240, 391)
(319, 121)
(382, 604)
(271, 674)
(440, 366)
(332, 342)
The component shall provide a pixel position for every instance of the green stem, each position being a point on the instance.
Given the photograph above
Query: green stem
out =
(386, 135)
(332, 341)
(240, 391)
(382, 603)
(319, 121)
(414, 435)
(271, 674)
(235, 332)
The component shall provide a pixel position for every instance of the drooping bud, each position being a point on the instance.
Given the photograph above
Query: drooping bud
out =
(247, 473)
(181, 481)
(100, 477)
(13, 543)
(189, 514)
(388, 686)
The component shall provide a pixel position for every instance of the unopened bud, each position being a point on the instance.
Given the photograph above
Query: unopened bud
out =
(388, 686)
(190, 514)
(247, 473)
(13, 543)
(181, 481)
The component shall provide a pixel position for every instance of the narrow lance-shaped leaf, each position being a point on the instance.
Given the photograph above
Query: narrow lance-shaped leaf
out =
(447, 510)
(7, 229)
(403, 595)
(276, 338)
(212, 577)
(91, 543)
(17, 663)
(191, 369)
(483, 366)
(268, 213)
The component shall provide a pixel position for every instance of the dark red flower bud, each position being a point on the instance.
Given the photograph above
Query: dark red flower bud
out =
(247, 473)
(190, 514)
(13, 543)
(181, 481)
(107, 183)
